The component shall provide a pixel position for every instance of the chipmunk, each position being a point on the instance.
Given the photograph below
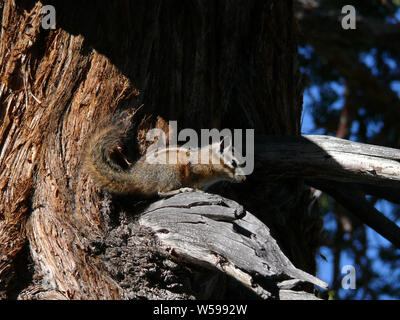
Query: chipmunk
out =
(151, 175)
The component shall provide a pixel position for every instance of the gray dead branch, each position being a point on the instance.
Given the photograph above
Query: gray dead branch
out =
(217, 233)
(344, 169)
(330, 158)
(355, 202)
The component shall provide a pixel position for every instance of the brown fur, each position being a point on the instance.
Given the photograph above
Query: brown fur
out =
(145, 178)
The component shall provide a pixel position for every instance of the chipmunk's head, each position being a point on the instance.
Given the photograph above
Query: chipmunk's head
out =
(225, 165)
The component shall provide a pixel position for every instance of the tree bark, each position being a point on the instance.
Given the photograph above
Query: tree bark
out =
(221, 64)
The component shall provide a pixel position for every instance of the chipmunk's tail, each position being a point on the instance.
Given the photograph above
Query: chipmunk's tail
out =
(103, 158)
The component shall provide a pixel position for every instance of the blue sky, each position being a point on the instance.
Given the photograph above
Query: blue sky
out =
(375, 241)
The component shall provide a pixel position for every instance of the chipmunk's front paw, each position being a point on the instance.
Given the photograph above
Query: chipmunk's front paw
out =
(186, 189)
(174, 192)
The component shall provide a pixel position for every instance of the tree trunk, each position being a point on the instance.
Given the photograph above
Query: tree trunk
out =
(205, 64)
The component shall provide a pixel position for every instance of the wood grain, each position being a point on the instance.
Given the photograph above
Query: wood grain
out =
(329, 158)
(218, 233)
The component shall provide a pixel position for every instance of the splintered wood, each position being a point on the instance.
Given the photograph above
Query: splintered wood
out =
(50, 96)
(196, 227)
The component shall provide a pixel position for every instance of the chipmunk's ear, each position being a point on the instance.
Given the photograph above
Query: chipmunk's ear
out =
(242, 165)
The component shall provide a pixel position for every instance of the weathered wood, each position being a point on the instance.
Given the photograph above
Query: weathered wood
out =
(218, 233)
(48, 98)
(296, 295)
(195, 63)
(354, 201)
(329, 158)
(388, 193)
(342, 168)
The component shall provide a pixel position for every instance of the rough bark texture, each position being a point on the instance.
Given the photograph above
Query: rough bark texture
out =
(218, 233)
(205, 64)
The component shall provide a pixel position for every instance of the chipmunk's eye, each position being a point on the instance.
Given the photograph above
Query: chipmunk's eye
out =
(234, 164)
